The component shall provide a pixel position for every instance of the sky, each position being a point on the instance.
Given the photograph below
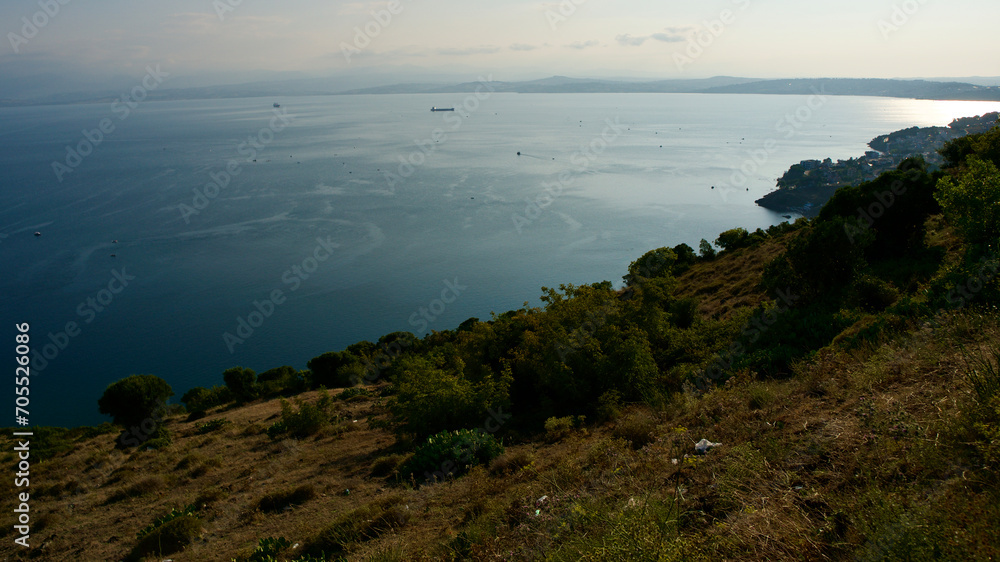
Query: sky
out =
(82, 44)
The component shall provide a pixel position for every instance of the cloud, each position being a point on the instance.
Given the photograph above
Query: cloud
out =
(584, 44)
(668, 35)
(484, 50)
(522, 47)
(629, 41)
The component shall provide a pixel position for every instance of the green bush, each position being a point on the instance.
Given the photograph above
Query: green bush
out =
(638, 428)
(135, 399)
(303, 421)
(733, 239)
(208, 427)
(337, 369)
(385, 466)
(705, 250)
(874, 294)
(280, 380)
(452, 453)
(654, 263)
(354, 392)
(199, 399)
(242, 383)
(174, 514)
(432, 396)
(684, 312)
(169, 537)
(971, 202)
(558, 428)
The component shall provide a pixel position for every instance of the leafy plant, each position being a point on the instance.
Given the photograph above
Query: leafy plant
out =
(208, 427)
(452, 453)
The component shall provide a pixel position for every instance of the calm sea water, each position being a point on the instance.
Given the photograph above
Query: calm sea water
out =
(356, 241)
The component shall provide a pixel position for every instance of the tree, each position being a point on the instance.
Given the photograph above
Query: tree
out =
(336, 369)
(971, 202)
(242, 382)
(654, 263)
(705, 249)
(134, 399)
(733, 239)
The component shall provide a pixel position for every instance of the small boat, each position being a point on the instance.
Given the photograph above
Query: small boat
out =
(442, 109)
(38, 233)
(276, 104)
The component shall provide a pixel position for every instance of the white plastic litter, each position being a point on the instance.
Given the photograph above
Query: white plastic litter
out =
(704, 446)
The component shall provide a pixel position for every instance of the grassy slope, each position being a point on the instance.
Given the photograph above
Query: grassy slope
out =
(859, 455)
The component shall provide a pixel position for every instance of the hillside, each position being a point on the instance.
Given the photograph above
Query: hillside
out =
(823, 390)
(808, 185)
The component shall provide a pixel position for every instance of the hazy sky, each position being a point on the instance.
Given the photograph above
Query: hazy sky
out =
(513, 39)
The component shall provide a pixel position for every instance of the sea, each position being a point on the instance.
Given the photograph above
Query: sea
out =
(182, 238)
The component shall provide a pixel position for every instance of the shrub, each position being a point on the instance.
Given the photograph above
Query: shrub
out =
(654, 263)
(452, 453)
(984, 378)
(637, 428)
(733, 239)
(558, 428)
(510, 462)
(705, 250)
(609, 406)
(304, 421)
(684, 312)
(133, 400)
(337, 369)
(363, 524)
(168, 537)
(276, 501)
(242, 383)
(209, 496)
(199, 399)
(174, 514)
(210, 426)
(354, 392)
(431, 397)
(385, 466)
(874, 294)
(971, 202)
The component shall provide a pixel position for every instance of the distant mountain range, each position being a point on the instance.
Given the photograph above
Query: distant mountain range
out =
(895, 88)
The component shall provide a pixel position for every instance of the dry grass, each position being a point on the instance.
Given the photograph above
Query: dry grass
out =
(861, 455)
(729, 282)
